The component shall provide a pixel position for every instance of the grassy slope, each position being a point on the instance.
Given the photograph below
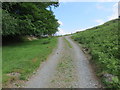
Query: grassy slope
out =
(103, 44)
(24, 58)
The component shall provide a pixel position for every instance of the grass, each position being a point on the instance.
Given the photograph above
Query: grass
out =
(24, 58)
(102, 41)
(66, 68)
(68, 43)
(65, 75)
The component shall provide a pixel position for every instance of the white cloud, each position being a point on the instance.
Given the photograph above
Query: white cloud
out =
(61, 32)
(100, 21)
(114, 12)
(78, 30)
(98, 6)
(102, 7)
(83, 29)
(60, 22)
(119, 8)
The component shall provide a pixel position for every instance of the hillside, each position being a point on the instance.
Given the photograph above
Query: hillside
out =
(102, 43)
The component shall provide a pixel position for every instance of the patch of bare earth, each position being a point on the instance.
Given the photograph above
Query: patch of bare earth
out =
(13, 81)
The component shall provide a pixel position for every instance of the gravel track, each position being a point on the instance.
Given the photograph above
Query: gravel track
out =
(42, 78)
(86, 76)
(66, 67)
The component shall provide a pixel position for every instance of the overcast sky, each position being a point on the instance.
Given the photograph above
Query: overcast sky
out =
(78, 16)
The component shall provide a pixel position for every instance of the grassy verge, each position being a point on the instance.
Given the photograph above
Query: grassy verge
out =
(22, 59)
(66, 74)
(102, 41)
(68, 43)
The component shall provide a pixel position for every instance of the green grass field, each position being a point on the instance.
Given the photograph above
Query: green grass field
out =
(25, 57)
(102, 41)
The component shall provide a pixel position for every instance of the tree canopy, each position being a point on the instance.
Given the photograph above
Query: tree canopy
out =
(28, 18)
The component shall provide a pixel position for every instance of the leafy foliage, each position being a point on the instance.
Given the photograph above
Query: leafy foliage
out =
(9, 24)
(28, 18)
(103, 44)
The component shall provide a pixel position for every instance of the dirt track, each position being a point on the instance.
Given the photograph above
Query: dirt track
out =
(66, 67)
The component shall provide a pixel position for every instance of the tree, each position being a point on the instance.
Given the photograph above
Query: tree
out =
(28, 18)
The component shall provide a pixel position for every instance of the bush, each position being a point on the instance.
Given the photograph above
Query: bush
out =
(46, 42)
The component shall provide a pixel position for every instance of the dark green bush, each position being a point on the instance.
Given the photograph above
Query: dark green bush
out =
(46, 42)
